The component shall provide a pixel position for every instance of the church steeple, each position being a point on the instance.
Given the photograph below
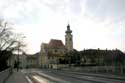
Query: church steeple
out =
(68, 39)
(68, 29)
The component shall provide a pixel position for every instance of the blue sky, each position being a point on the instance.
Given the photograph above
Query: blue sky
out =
(95, 23)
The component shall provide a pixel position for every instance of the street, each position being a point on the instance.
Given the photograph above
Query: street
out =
(57, 76)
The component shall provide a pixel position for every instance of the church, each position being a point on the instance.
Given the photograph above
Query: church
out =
(53, 54)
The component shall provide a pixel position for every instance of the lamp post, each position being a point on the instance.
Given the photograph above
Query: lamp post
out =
(18, 60)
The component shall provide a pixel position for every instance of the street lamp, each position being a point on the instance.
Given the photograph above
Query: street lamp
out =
(18, 57)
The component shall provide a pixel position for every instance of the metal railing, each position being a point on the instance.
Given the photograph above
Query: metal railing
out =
(99, 69)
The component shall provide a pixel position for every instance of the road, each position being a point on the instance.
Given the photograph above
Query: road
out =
(56, 76)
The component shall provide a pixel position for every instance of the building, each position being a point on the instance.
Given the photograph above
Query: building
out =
(22, 60)
(53, 54)
(25, 60)
(32, 60)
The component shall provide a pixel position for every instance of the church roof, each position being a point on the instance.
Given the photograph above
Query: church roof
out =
(54, 43)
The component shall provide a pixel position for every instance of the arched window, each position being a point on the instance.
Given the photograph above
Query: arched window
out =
(66, 39)
(55, 51)
(70, 39)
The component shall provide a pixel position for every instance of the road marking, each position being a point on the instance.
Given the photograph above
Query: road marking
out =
(40, 79)
(54, 78)
(29, 80)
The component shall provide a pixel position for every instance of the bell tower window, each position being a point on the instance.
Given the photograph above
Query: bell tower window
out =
(70, 39)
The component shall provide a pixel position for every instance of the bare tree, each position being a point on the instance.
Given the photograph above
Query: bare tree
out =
(8, 39)
(10, 42)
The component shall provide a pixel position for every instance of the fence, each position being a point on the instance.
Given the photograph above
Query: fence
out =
(100, 69)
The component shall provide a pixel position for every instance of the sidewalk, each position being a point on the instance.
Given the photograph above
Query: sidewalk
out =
(16, 77)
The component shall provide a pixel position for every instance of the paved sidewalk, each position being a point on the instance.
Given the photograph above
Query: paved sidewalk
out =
(17, 77)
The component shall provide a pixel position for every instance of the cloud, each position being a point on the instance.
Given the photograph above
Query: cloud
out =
(95, 23)
(104, 8)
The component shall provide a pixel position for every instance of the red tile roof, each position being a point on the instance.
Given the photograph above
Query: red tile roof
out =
(54, 43)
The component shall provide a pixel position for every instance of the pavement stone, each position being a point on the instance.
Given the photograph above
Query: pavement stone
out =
(16, 77)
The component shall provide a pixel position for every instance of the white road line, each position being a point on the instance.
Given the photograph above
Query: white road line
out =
(40, 79)
(55, 79)
(29, 80)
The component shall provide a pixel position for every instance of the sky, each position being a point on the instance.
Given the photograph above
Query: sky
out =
(95, 23)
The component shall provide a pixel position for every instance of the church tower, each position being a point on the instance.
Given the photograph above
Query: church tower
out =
(69, 39)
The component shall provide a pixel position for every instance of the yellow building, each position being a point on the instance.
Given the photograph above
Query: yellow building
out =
(53, 54)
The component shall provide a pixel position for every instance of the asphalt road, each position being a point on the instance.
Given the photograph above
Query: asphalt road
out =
(54, 76)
